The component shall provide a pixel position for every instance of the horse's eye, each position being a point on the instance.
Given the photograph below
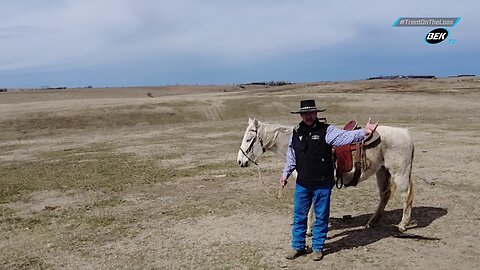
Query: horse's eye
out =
(249, 140)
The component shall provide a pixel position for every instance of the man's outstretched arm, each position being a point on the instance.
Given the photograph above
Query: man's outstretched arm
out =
(339, 137)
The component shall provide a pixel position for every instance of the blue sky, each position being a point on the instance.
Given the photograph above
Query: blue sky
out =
(146, 42)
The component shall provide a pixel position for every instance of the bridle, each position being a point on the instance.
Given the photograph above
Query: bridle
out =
(250, 147)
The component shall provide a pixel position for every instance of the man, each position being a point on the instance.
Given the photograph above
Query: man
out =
(310, 153)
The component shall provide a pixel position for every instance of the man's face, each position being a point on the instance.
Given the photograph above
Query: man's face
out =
(309, 117)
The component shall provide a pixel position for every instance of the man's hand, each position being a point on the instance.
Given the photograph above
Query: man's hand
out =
(283, 181)
(370, 128)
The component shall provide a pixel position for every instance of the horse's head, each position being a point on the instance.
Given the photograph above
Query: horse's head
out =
(252, 145)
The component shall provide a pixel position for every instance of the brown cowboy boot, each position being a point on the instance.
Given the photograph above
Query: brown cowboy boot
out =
(295, 254)
(317, 255)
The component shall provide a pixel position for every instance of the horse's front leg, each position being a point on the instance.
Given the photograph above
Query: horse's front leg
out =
(311, 221)
(383, 182)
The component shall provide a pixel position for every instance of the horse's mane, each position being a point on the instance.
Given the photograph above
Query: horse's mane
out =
(270, 133)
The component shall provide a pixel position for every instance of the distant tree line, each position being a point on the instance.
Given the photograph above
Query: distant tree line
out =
(391, 77)
(270, 83)
(45, 87)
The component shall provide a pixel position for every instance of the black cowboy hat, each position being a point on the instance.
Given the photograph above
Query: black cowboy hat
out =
(308, 106)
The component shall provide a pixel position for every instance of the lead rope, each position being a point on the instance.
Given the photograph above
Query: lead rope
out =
(261, 180)
(280, 192)
(280, 189)
(259, 172)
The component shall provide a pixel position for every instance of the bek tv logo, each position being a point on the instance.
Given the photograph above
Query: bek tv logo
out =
(436, 36)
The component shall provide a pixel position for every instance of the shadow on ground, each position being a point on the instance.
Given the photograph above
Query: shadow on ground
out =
(354, 234)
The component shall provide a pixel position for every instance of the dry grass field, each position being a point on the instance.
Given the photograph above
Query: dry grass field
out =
(114, 179)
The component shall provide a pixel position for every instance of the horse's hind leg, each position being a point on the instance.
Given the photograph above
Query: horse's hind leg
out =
(404, 186)
(311, 220)
(383, 182)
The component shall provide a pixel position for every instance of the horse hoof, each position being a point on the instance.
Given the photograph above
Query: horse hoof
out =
(411, 224)
(371, 225)
(401, 228)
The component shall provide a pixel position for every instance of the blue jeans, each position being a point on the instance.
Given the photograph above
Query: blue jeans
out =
(301, 205)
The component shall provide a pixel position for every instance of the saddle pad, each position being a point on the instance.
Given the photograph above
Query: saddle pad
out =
(372, 139)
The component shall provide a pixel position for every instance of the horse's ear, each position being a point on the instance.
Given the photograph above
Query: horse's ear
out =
(250, 120)
(255, 122)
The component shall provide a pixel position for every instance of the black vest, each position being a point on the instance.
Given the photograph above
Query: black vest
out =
(313, 156)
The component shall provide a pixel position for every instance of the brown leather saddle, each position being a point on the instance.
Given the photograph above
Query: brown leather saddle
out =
(344, 159)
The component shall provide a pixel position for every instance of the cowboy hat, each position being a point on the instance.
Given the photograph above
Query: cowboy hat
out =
(308, 106)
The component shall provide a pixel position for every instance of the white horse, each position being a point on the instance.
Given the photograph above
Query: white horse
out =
(390, 160)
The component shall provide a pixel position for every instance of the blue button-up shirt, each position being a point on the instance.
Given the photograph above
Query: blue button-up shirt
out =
(334, 137)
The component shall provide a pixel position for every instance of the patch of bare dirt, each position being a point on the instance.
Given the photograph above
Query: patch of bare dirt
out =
(208, 213)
